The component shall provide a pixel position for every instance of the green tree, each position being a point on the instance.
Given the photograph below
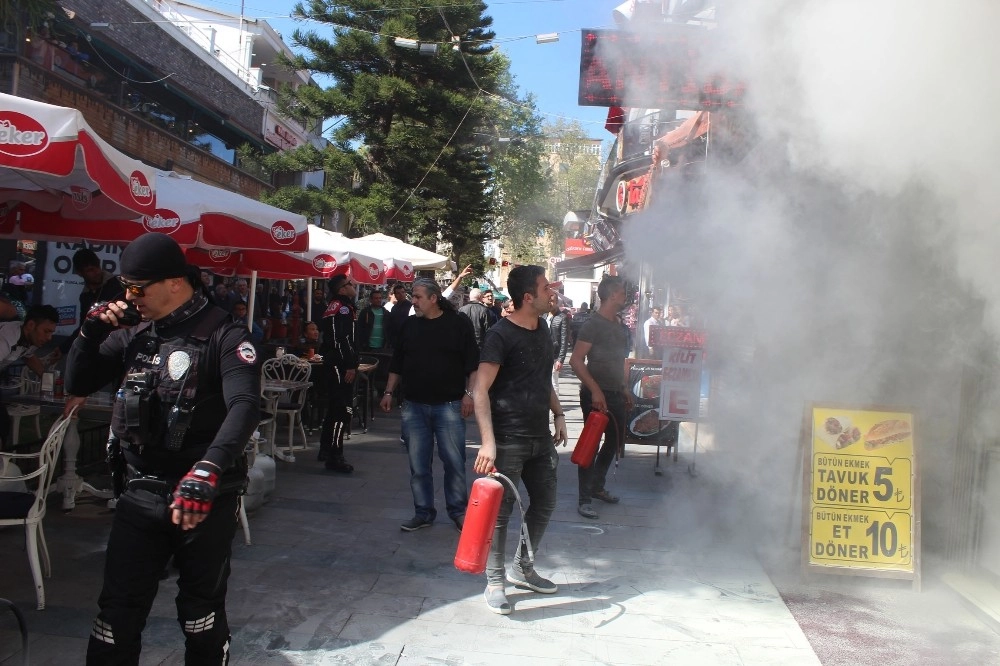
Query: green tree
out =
(569, 169)
(19, 16)
(418, 147)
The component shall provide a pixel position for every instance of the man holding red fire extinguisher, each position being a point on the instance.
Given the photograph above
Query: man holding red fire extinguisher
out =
(598, 360)
(513, 396)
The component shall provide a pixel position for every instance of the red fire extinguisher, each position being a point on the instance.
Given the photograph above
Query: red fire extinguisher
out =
(480, 521)
(586, 446)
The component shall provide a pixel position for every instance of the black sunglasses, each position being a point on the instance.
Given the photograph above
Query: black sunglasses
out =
(136, 289)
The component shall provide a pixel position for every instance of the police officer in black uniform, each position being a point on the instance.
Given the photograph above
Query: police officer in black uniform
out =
(340, 361)
(187, 405)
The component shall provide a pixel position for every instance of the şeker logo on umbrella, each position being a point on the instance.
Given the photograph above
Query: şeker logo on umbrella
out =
(163, 221)
(374, 271)
(219, 255)
(21, 135)
(407, 270)
(283, 232)
(325, 263)
(142, 193)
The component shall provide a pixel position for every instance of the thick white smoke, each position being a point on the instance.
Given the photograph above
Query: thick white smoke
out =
(849, 258)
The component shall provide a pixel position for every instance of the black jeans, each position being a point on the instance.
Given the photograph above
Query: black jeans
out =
(534, 461)
(142, 540)
(592, 478)
(337, 420)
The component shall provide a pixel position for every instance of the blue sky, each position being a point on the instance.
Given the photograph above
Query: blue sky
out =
(550, 71)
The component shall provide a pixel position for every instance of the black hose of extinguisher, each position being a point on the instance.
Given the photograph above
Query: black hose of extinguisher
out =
(22, 626)
(524, 527)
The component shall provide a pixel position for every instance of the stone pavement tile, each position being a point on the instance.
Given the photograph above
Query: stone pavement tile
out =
(421, 586)
(419, 632)
(264, 647)
(48, 650)
(656, 652)
(755, 655)
(465, 656)
(472, 611)
(283, 620)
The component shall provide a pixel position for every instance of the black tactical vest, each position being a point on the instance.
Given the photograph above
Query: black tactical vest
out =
(165, 390)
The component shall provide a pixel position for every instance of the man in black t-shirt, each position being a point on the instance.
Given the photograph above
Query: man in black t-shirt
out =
(437, 356)
(599, 361)
(513, 396)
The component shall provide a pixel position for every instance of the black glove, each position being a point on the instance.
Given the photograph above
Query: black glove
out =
(95, 328)
(195, 492)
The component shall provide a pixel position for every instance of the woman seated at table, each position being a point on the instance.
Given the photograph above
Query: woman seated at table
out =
(308, 343)
(316, 399)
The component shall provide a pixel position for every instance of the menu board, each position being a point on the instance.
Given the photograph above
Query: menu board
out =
(643, 424)
(862, 503)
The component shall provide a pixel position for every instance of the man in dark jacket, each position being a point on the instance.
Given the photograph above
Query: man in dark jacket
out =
(558, 330)
(400, 311)
(340, 360)
(478, 314)
(98, 285)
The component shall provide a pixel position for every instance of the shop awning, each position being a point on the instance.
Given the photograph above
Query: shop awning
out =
(593, 260)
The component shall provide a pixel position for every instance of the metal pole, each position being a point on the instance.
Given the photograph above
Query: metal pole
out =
(250, 301)
(309, 299)
(691, 466)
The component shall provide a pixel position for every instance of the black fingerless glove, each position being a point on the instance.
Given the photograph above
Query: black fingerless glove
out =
(96, 329)
(195, 492)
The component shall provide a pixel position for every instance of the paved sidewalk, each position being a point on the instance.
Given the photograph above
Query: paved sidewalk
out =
(331, 579)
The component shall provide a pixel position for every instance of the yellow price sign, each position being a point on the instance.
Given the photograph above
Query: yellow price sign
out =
(861, 502)
(873, 538)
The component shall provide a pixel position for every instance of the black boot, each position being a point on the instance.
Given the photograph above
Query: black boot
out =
(338, 464)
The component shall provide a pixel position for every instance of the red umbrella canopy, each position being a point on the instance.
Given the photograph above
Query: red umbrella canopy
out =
(193, 213)
(51, 159)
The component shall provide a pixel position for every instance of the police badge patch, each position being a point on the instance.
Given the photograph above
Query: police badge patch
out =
(246, 352)
(177, 364)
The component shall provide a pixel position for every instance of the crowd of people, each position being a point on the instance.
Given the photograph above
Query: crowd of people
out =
(184, 348)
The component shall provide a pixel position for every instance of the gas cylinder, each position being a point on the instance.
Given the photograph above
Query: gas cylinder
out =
(586, 446)
(480, 520)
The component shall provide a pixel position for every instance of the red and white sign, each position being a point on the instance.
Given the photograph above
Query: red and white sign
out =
(576, 247)
(79, 197)
(683, 357)
(142, 191)
(21, 135)
(278, 135)
(164, 221)
(325, 263)
(283, 232)
(621, 196)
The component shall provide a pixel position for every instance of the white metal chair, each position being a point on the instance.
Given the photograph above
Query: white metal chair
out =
(293, 371)
(29, 384)
(28, 507)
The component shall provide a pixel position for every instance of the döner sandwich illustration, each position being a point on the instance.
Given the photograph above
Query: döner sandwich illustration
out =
(887, 432)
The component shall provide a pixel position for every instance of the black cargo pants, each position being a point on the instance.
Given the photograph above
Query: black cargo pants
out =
(141, 543)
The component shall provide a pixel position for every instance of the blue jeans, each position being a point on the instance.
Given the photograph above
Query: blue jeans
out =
(534, 461)
(422, 425)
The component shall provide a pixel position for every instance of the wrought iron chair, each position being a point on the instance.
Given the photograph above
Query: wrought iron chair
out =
(293, 372)
(28, 507)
